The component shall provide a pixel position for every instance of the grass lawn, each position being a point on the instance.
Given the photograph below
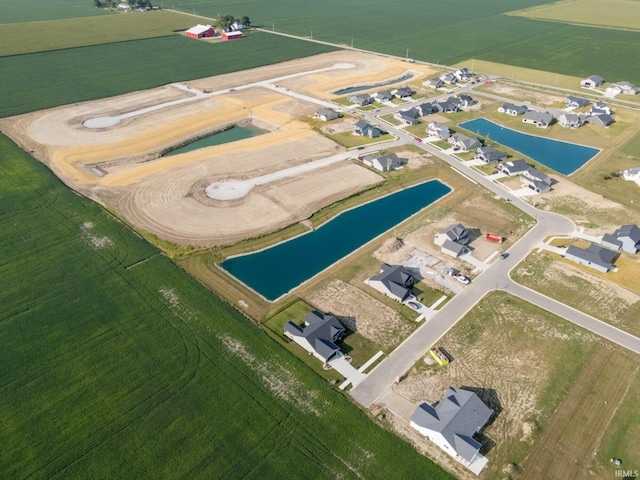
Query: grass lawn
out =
(21, 38)
(349, 140)
(87, 73)
(14, 11)
(115, 363)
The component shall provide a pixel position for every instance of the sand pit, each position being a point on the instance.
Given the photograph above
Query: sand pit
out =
(111, 149)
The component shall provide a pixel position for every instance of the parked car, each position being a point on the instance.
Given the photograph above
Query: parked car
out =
(462, 279)
(504, 255)
(414, 305)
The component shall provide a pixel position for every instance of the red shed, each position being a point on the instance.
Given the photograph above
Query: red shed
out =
(200, 31)
(231, 35)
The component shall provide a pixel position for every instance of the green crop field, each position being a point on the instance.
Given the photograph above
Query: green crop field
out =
(20, 38)
(13, 11)
(446, 32)
(48, 79)
(116, 364)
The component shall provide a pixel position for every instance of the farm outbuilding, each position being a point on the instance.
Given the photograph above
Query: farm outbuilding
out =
(231, 35)
(200, 31)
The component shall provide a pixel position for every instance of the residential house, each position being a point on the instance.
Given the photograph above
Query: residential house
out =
(361, 99)
(539, 119)
(632, 175)
(384, 163)
(464, 143)
(514, 167)
(403, 92)
(462, 74)
(394, 281)
(235, 26)
(438, 130)
(593, 256)
(406, 117)
(569, 120)
(453, 240)
(382, 96)
(462, 100)
(536, 180)
(576, 102)
(319, 336)
(452, 423)
(434, 83)
(513, 110)
(627, 88)
(627, 238)
(602, 120)
(592, 82)
(489, 155)
(363, 129)
(446, 107)
(449, 78)
(600, 108)
(424, 109)
(613, 90)
(326, 114)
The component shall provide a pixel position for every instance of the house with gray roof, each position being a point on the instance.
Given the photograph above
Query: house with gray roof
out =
(361, 99)
(394, 281)
(600, 108)
(576, 102)
(536, 180)
(462, 74)
(384, 163)
(632, 175)
(592, 82)
(403, 92)
(627, 237)
(452, 423)
(326, 114)
(424, 109)
(462, 100)
(593, 256)
(514, 167)
(406, 117)
(539, 119)
(489, 155)
(438, 130)
(512, 109)
(383, 96)
(432, 83)
(569, 120)
(464, 143)
(445, 107)
(449, 78)
(453, 240)
(627, 88)
(319, 336)
(363, 129)
(602, 120)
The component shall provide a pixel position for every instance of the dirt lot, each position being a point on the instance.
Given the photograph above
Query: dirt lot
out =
(121, 166)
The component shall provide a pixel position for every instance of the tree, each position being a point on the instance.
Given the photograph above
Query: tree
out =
(245, 21)
(224, 22)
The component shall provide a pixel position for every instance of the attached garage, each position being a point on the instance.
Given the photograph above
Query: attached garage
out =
(201, 31)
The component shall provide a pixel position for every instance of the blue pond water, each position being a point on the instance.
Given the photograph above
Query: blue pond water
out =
(346, 91)
(233, 134)
(278, 269)
(562, 157)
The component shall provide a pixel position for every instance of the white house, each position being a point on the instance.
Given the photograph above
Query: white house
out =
(319, 335)
(593, 256)
(464, 143)
(539, 119)
(512, 109)
(632, 174)
(569, 120)
(384, 163)
(432, 83)
(592, 82)
(394, 281)
(438, 130)
(326, 114)
(452, 423)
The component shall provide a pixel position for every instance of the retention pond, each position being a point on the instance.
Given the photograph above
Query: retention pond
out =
(563, 157)
(277, 270)
(232, 134)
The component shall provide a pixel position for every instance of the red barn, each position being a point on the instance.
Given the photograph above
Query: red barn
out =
(231, 35)
(201, 31)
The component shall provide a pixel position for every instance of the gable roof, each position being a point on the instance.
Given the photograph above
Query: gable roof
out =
(396, 279)
(538, 117)
(457, 417)
(594, 254)
(630, 231)
(514, 166)
(327, 112)
(595, 79)
(491, 154)
(582, 102)
(320, 331)
(602, 120)
(198, 29)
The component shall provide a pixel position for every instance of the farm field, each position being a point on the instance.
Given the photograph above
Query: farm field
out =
(31, 37)
(621, 14)
(568, 49)
(14, 11)
(116, 363)
(87, 73)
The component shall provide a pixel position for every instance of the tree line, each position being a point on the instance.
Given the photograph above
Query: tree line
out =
(224, 22)
(115, 3)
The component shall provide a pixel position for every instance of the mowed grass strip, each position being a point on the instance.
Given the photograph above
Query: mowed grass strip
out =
(14, 11)
(116, 364)
(21, 38)
(48, 79)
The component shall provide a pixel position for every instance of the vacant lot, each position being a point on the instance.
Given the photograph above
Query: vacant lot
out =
(621, 14)
(87, 73)
(520, 360)
(115, 363)
(30, 37)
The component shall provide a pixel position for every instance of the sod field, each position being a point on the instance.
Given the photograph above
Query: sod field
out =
(87, 73)
(455, 32)
(116, 364)
(14, 11)
(20, 38)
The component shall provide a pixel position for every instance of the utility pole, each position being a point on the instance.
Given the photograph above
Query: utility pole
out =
(273, 27)
(407, 52)
(311, 34)
(351, 42)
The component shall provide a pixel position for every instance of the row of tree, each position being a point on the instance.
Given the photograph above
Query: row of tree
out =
(115, 3)
(224, 22)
